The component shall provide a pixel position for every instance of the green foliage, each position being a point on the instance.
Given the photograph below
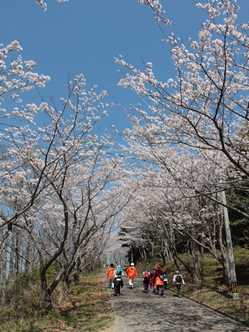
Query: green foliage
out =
(238, 197)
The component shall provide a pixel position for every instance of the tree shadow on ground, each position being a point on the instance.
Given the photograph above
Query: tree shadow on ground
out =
(242, 274)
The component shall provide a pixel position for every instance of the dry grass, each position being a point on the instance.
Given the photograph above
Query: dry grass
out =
(218, 301)
(216, 295)
(213, 292)
(85, 308)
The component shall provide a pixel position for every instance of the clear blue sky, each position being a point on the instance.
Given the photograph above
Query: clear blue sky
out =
(86, 35)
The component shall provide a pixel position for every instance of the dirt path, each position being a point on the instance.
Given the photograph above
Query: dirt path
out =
(135, 311)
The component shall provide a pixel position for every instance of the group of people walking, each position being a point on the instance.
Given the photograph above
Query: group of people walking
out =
(114, 276)
(157, 279)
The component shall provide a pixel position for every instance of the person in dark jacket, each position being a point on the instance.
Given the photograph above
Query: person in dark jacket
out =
(152, 273)
(178, 281)
(146, 280)
(118, 281)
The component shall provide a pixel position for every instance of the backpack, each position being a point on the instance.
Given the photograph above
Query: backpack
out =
(178, 279)
(119, 270)
(119, 273)
(118, 281)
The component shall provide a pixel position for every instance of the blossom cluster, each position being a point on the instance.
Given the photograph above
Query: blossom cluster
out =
(43, 3)
(17, 77)
(158, 10)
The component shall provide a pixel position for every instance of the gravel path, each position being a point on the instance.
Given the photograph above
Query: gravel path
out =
(136, 311)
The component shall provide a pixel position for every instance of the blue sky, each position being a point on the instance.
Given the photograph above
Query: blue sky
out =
(85, 36)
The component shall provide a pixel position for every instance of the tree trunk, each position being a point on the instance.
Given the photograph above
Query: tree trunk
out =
(17, 249)
(229, 259)
(195, 265)
(46, 296)
(27, 265)
(10, 254)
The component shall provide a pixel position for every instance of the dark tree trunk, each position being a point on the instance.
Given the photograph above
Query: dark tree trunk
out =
(46, 296)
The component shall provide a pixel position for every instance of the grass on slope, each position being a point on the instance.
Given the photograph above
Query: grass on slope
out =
(216, 295)
(213, 292)
(84, 308)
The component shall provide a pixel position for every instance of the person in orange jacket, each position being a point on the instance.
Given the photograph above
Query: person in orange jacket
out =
(159, 285)
(157, 272)
(131, 272)
(110, 273)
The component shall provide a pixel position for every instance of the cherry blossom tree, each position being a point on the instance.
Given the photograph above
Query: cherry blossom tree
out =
(18, 78)
(67, 176)
(172, 208)
(205, 106)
